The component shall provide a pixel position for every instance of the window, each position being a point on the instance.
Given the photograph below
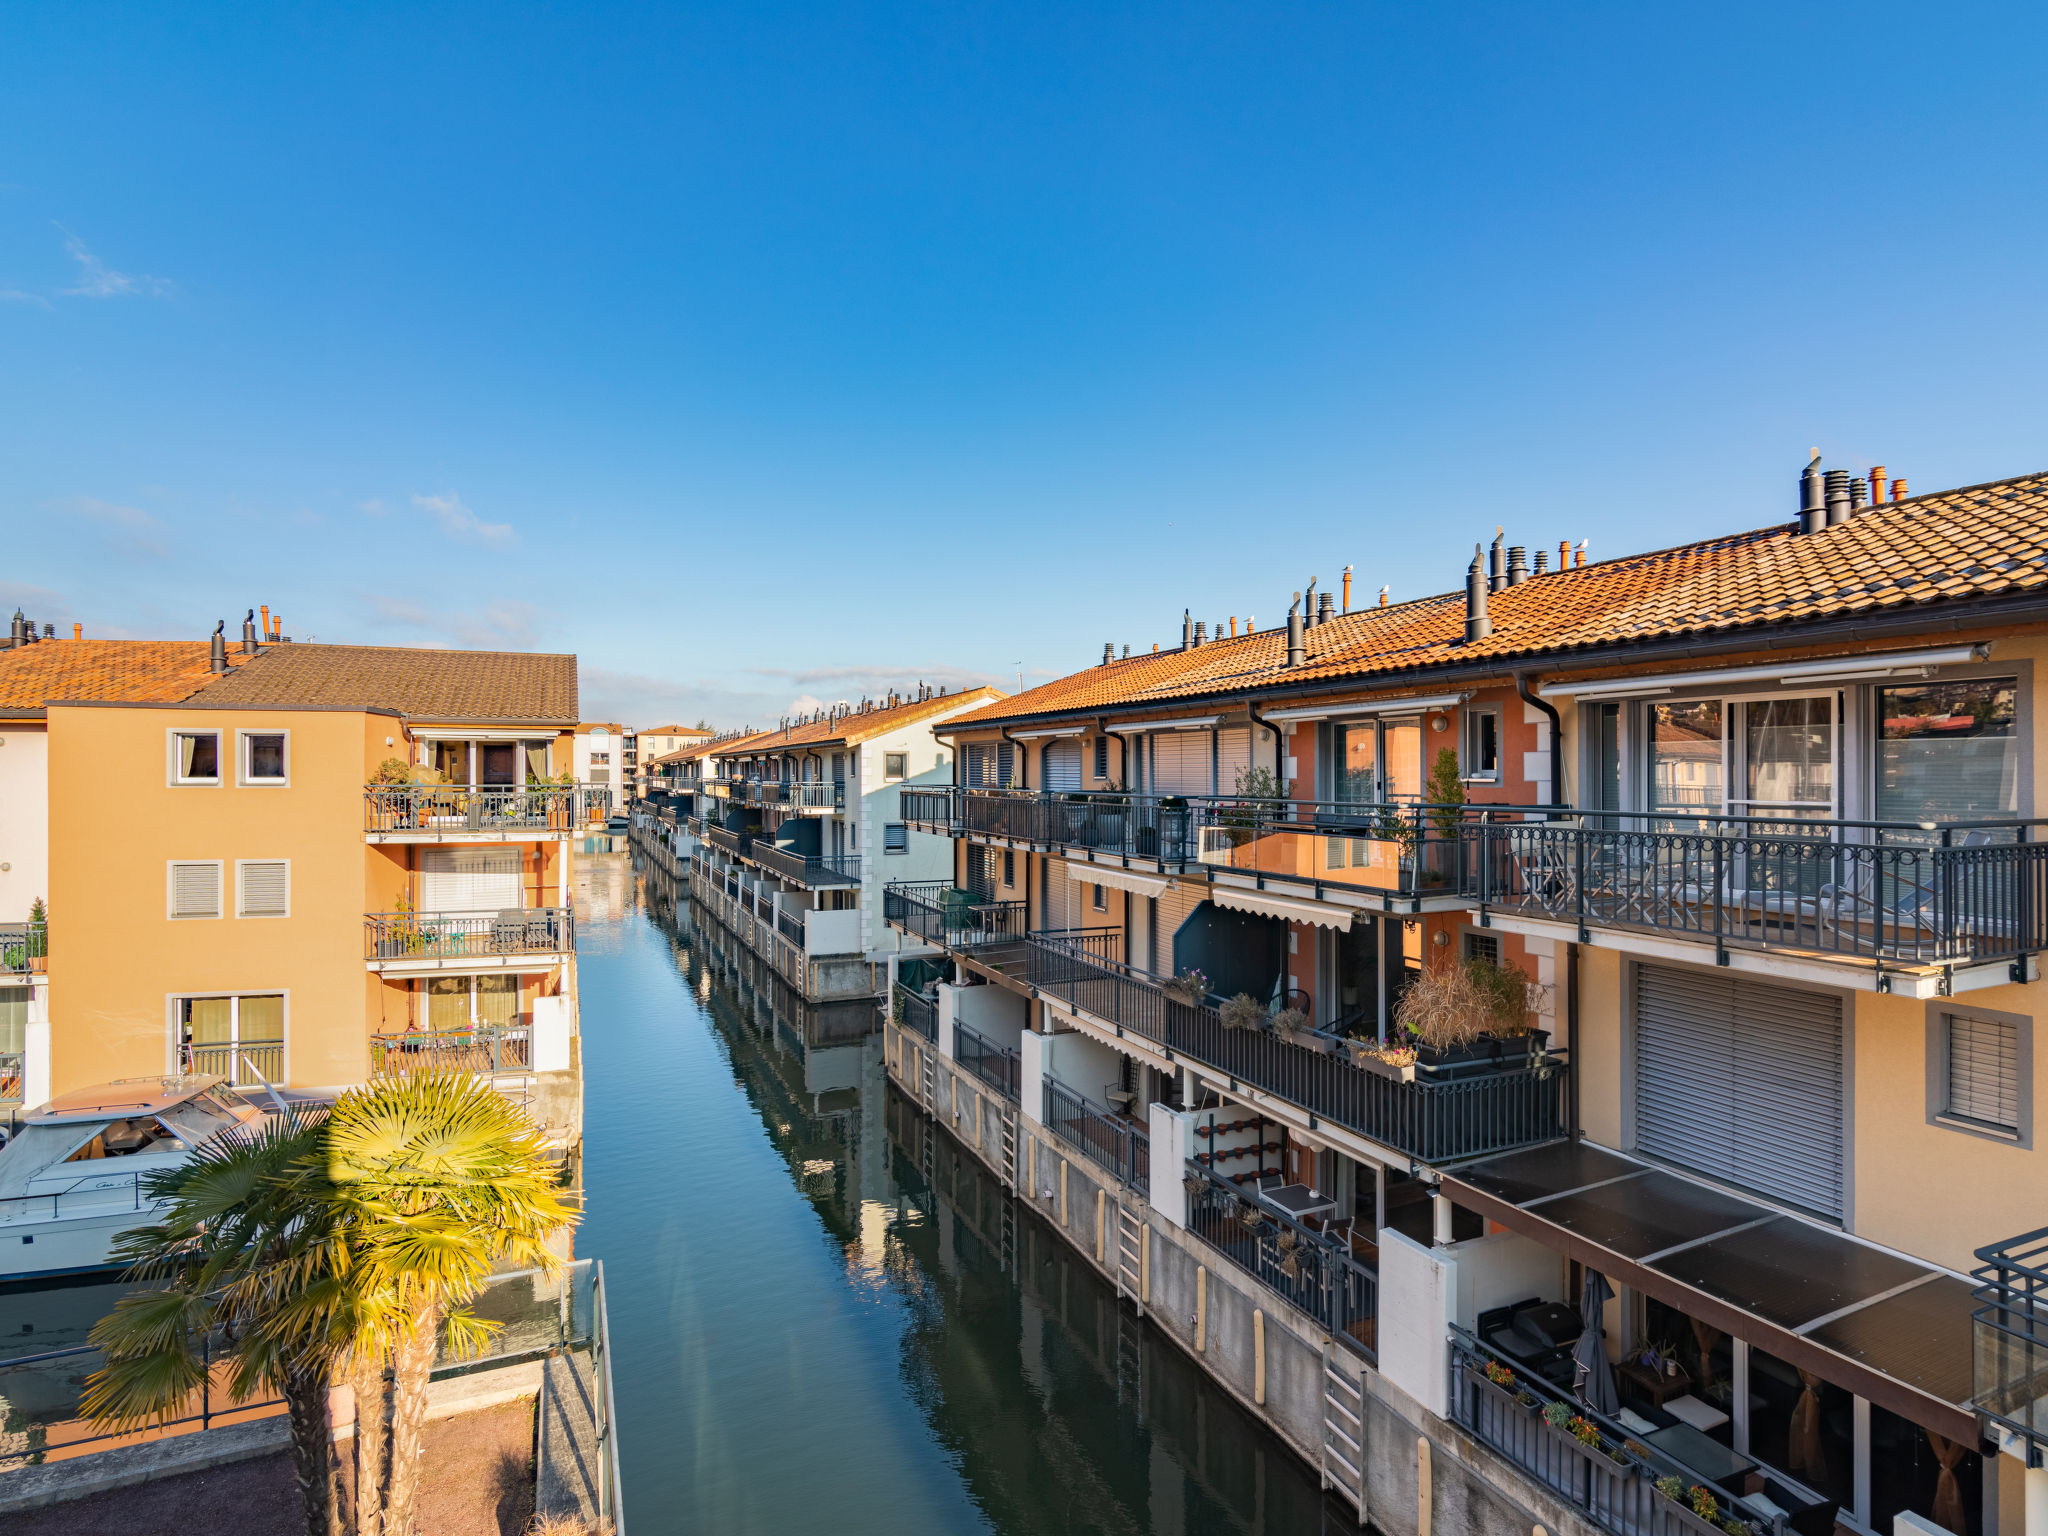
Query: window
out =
(195, 757)
(1097, 900)
(1009, 867)
(600, 759)
(1685, 757)
(1482, 946)
(895, 837)
(1978, 1070)
(264, 887)
(13, 1022)
(263, 757)
(1948, 751)
(1102, 757)
(1482, 744)
(895, 764)
(461, 1003)
(240, 1037)
(194, 888)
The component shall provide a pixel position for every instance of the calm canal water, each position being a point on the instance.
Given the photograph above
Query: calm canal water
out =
(824, 1319)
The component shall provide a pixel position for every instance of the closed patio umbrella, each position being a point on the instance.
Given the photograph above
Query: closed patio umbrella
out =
(1595, 1382)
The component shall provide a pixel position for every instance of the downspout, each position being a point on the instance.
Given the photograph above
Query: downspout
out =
(1571, 1021)
(1123, 749)
(1279, 747)
(1530, 697)
(1023, 759)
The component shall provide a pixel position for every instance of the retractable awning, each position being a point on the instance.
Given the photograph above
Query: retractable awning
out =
(1116, 879)
(1293, 909)
(1883, 1327)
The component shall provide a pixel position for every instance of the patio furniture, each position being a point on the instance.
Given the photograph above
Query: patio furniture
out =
(1297, 1201)
(1653, 1386)
(1691, 1410)
(1712, 1460)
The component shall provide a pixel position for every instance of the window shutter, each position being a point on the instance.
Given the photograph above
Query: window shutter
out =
(266, 887)
(1983, 1071)
(195, 890)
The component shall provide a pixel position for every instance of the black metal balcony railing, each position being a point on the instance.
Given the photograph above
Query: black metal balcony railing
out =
(734, 843)
(24, 948)
(1514, 1103)
(1313, 1272)
(917, 1012)
(505, 1048)
(1611, 1482)
(14, 1075)
(993, 1064)
(1886, 892)
(805, 794)
(942, 914)
(807, 869)
(450, 808)
(2009, 1357)
(1120, 1147)
(248, 1064)
(468, 935)
(929, 807)
(790, 925)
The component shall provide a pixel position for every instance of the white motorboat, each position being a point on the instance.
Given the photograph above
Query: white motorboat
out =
(71, 1179)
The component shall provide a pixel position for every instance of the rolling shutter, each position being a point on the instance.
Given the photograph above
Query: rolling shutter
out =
(470, 879)
(1984, 1070)
(1741, 1081)
(1062, 763)
(976, 774)
(1233, 757)
(1181, 764)
(266, 887)
(195, 889)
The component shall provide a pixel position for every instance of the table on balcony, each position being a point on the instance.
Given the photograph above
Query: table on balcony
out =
(1709, 1457)
(1298, 1201)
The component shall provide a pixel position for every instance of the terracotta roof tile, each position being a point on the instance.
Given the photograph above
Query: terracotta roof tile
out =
(515, 686)
(1979, 541)
(106, 671)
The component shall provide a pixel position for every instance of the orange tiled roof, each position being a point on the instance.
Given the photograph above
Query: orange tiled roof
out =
(517, 687)
(1980, 541)
(856, 726)
(104, 671)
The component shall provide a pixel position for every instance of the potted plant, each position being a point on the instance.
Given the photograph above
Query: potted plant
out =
(1242, 1012)
(1447, 1011)
(1189, 986)
(1292, 1025)
(1384, 1059)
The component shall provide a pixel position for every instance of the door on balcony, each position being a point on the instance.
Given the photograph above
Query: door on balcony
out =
(1787, 748)
(470, 879)
(1741, 1081)
(240, 1038)
(1063, 767)
(457, 1003)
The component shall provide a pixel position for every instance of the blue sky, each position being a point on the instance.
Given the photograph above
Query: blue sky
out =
(764, 355)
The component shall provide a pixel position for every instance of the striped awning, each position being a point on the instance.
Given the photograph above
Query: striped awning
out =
(1293, 909)
(1116, 879)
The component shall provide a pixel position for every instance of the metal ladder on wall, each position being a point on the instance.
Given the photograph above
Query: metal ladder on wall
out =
(1343, 1434)
(1130, 1362)
(1009, 1155)
(928, 1078)
(1007, 1220)
(1130, 1258)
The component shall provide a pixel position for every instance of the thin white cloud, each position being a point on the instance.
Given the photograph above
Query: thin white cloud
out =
(463, 525)
(23, 296)
(126, 530)
(97, 280)
(498, 626)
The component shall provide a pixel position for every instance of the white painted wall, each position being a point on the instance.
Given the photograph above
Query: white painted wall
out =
(609, 775)
(24, 818)
(1418, 1287)
(1503, 1267)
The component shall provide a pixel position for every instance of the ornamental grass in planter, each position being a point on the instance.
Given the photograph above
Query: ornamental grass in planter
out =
(1242, 1012)
(1292, 1025)
(1447, 1009)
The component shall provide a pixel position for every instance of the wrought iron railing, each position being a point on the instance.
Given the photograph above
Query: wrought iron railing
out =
(468, 935)
(249, 1064)
(1610, 1480)
(596, 800)
(507, 1048)
(1154, 828)
(808, 869)
(1314, 1272)
(791, 925)
(1435, 1117)
(451, 808)
(2010, 1336)
(806, 794)
(1115, 1144)
(24, 948)
(929, 807)
(996, 1065)
(943, 914)
(917, 1012)
(1885, 892)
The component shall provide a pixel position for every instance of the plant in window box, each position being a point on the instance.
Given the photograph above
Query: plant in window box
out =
(1190, 987)
(1383, 1059)
(1292, 1025)
(1500, 1375)
(1241, 1012)
(1193, 1184)
(1673, 1488)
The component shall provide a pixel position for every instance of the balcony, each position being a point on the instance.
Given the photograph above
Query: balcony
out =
(945, 915)
(1908, 904)
(13, 1076)
(422, 942)
(738, 844)
(1111, 1142)
(1314, 1272)
(914, 1011)
(488, 1052)
(439, 812)
(2010, 1337)
(24, 949)
(250, 1064)
(930, 808)
(997, 1066)
(813, 871)
(1437, 1116)
(811, 795)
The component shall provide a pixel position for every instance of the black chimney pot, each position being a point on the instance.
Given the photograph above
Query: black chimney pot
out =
(1297, 645)
(1496, 562)
(1857, 488)
(1327, 608)
(1518, 565)
(1187, 631)
(1813, 511)
(249, 640)
(1837, 484)
(217, 653)
(1477, 625)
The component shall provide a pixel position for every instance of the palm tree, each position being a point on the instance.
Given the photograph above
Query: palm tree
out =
(244, 1262)
(436, 1178)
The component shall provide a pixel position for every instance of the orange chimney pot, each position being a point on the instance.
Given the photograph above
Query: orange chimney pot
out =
(78, 631)
(1898, 490)
(1877, 478)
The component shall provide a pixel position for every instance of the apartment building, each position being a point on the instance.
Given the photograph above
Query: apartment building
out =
(602, 759)
(1748, 830)
(294, 864)
(796, 830)
(656, 743)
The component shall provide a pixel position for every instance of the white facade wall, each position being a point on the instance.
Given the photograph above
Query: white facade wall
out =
(24, 817)
(607, 775)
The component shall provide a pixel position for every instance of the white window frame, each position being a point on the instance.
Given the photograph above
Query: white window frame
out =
(240, 865)
(897, 827)
(173, 1062)
(243, 777)
(1468, 745)
(171, 901)
(1939, 1012)
(171, 774)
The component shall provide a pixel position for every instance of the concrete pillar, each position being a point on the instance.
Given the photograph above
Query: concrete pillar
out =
(1171, 1135)
(1259, 1360)
(1201, 1309)
(2037, 1501)
(1425, 1494)
(1032, 1067)
(1440, 1220)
